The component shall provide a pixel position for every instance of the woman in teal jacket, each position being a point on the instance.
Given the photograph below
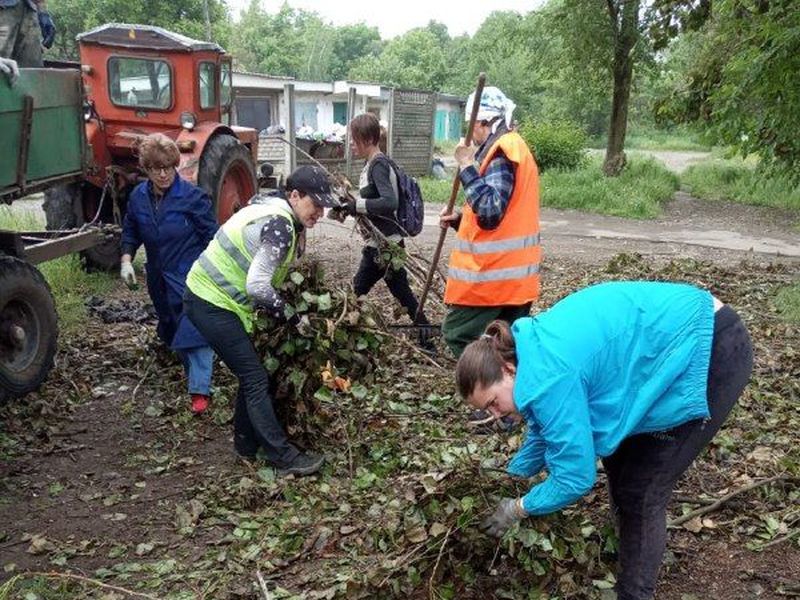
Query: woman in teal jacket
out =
(641, 374)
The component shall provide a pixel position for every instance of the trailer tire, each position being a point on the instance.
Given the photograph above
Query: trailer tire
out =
(228, 174)
(28, 328)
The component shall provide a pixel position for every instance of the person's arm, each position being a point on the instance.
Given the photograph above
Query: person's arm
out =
(563, 416)
(529, 459)
(276, 240)
(488, 196)
(202, 215)
(387, 201)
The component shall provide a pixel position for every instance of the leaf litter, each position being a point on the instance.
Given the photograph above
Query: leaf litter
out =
(394, 511)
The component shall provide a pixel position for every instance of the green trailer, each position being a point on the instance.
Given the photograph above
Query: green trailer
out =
(42, 145)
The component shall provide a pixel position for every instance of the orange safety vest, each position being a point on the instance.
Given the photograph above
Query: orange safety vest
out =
(500, 267)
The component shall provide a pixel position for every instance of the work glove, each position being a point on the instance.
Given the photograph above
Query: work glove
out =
(127, 274)
(350, 207)
(508, 512)
(48, 29)
(10, 69)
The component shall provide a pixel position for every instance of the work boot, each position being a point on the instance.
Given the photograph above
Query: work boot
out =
(304, 463)
(200, 402)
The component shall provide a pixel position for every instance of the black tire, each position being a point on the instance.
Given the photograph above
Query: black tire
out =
(223, 154)
(59, 206)
(67, 207)
(28, 328)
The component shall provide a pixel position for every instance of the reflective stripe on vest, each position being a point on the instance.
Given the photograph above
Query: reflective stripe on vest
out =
(527, 241)
(494, 274)
(500, 267)
(219, 275)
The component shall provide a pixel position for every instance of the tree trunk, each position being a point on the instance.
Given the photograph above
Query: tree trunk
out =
(626, 27)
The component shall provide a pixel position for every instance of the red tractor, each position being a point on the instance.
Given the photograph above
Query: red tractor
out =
(139, 80)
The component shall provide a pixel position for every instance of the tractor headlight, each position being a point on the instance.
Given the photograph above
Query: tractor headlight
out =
(188, 120)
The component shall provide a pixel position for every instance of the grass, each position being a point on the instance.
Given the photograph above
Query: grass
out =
(739, 180)
(437, 191)
(69, 282)
(788, 302)
(639, 192)
(677, 139)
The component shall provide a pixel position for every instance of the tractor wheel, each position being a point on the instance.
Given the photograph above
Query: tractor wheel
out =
(28, 328)
(228, 174)
(59, 206)
(72, 205)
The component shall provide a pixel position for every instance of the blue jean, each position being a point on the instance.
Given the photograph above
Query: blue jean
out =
(643, 471)
(199, 366)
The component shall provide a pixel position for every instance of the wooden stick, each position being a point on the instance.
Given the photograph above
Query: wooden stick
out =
(263, 585)
(438, 560)
(453, 193)
(721, 501)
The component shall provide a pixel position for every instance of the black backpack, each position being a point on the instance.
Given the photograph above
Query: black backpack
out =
(410, 206)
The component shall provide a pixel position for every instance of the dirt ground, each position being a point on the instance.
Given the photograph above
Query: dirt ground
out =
(95, 475)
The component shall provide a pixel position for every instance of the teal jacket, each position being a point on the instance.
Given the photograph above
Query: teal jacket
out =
(608, 362)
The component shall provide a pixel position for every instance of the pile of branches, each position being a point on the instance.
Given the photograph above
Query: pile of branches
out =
(335, 350)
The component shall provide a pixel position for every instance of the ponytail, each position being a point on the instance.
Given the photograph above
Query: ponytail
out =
(483, 360)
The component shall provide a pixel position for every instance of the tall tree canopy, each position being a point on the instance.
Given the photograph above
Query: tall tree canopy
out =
(182, 16)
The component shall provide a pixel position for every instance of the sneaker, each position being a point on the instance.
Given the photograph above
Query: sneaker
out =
(200, 403)
(304, 463)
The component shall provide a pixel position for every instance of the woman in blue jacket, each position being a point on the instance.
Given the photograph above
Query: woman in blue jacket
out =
(641, 374)
(175, 221)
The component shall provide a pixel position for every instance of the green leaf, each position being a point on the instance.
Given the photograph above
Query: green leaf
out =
(324, 302)
(359, 392)
(296, 277)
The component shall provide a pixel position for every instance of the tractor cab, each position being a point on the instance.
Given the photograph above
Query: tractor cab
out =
(141, 79)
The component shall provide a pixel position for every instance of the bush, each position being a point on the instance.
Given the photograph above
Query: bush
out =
(555, 144)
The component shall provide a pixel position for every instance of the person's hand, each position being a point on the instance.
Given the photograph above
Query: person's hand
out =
(464, 155)
(350, 206)
(337, 214)
(48, 28)
(127, 274)
(508, 512)
(9, 68)
(447, 219)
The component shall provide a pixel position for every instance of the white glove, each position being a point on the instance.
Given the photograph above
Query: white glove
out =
(10, 69)
(127, 273)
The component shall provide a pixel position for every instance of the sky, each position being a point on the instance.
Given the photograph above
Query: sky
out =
(398, 16)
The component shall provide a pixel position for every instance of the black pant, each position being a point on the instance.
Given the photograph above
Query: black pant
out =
(643, 471)
(370, 272)
(254, 420)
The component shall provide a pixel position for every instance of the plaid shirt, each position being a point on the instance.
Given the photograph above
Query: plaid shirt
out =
(488, 196)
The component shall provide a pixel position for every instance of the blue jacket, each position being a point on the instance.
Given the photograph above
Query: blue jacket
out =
(608, 362)
(174, 235)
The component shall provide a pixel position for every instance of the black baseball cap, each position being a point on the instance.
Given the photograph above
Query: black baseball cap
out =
(313, 181)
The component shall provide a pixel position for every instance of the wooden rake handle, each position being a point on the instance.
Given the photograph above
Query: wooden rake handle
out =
(453, 195)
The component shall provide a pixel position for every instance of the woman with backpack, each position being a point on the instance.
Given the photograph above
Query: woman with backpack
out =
(379, 197)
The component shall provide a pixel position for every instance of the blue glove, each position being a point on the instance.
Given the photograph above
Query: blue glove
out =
(48, 29)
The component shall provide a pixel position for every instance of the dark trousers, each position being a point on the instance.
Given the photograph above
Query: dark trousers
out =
(254, 420)
(643, 471)
(370, 272)
(465, 324)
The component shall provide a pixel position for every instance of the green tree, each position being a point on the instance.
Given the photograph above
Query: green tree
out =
(741, 79)
(181, 16)
(415, 59)
(350, 44)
